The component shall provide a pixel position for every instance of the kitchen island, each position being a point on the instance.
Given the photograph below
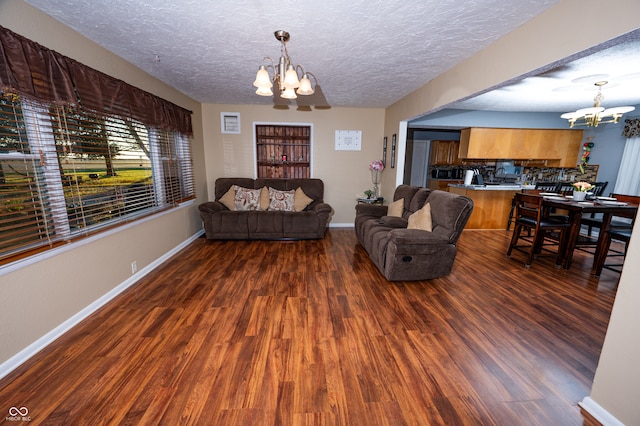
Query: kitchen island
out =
(491, 203)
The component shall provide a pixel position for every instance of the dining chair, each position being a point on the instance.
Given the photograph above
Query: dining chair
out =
(624, 222)
(620, 231)
(540, 187)
(531, 215)
(592, 221)
(555, 187)
(631, 199)
(599, 188)
(548, 186)
(565, 188)
(512, 211)
(623, 236)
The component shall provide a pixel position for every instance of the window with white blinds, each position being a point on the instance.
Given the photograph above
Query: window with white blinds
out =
(25, 219)
(66, 172)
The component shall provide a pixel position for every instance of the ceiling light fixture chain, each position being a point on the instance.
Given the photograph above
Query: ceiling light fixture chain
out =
(285, 75)
(597, 100)
(596, 114)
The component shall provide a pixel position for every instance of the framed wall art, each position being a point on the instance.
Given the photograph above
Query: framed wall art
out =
(348, 140)
(393, 151)
(384, 151)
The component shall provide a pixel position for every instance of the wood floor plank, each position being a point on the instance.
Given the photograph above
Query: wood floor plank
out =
(309, 332)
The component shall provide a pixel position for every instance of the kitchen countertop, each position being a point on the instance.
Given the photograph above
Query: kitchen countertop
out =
(500, 187)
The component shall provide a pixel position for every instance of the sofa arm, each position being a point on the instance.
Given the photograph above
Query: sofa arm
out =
(394, 222)
(212, 207)
(371, 210)
(322, 208)
(415, 237)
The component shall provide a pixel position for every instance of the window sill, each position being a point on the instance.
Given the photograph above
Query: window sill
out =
(30, 260)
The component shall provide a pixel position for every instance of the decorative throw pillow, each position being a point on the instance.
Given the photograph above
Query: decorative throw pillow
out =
(301, 200)
(247, 199)
(421, 219)
(396, 208)
(264, 198)
(281, 200)
(229, 198)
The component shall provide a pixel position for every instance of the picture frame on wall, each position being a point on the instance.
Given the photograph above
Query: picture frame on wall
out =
(384, 151)
(393, 151)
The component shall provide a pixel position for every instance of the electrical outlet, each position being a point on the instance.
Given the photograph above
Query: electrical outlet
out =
(134, 267)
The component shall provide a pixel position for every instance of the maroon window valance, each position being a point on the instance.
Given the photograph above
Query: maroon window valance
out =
(31, 70)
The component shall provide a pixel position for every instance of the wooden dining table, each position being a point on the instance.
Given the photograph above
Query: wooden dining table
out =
(575, 211)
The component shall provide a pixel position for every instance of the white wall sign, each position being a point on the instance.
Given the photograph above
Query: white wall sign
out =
(348, 140)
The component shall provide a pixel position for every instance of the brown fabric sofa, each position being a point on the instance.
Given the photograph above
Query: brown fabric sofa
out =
(221, 223)
(403, 254)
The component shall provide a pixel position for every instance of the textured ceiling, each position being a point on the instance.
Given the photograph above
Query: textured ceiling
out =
(569, 84)
(364, 53)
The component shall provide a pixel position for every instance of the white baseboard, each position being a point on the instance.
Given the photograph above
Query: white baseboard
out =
(22, 356)
(599, 413)
(341, 225)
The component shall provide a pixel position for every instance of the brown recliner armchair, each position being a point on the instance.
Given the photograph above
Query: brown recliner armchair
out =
(403, 254)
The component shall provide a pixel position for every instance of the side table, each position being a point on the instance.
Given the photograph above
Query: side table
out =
(378, 201)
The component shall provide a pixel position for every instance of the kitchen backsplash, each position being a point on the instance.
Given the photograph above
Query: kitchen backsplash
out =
(530, 174)
(562, 175)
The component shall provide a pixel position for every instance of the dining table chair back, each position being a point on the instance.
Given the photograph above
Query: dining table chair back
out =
(512, 211)
(623, 236)
(631, 199)
(548, 186)
(565, 188)
(599, 188)
(624, 221)
(593, 220)
(619, 230)
(531, 215)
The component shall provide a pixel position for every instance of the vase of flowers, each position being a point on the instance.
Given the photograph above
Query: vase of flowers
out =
(580, 190)
(376, 167)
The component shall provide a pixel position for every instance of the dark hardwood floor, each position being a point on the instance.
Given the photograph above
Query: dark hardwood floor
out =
(308, 332)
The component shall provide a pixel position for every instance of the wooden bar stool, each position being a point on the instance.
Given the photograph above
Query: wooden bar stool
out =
(530, 215)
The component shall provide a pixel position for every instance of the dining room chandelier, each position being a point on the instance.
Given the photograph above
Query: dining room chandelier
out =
(285, 74)
(596, 114)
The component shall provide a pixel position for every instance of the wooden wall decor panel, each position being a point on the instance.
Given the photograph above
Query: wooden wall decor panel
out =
(283, 151)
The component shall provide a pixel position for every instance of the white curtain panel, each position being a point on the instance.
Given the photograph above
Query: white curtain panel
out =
(628, 181)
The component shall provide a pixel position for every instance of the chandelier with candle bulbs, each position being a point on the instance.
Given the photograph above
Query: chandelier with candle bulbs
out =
(285, 74)
(596, 114)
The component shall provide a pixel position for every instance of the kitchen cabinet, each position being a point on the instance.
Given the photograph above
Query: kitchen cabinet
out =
(445, 153)
(558, 147)
(490, 208)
